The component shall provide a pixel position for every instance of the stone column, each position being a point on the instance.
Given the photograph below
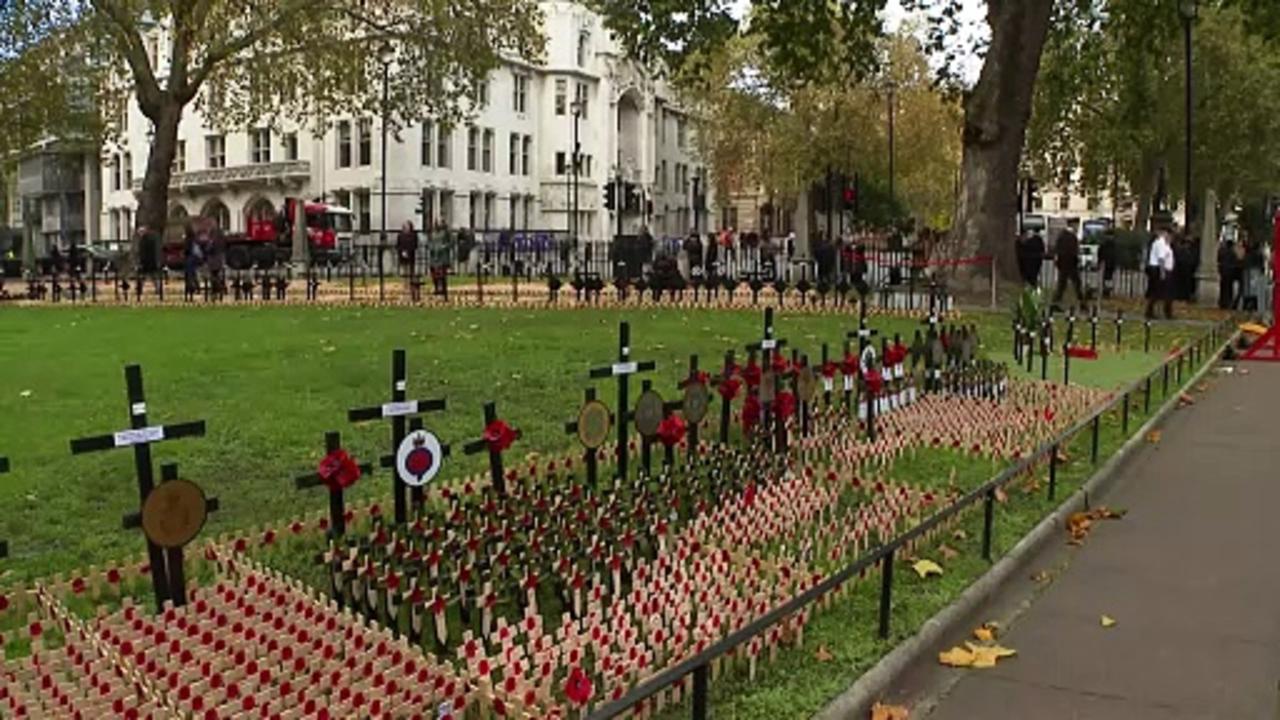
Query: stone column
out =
(1207, 281)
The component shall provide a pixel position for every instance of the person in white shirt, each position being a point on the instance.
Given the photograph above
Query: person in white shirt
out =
(1160, 275)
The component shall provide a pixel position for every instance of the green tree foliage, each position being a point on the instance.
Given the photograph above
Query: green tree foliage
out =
(250, 62)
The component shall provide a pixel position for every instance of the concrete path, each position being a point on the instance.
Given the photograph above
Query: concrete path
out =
(1192, 577)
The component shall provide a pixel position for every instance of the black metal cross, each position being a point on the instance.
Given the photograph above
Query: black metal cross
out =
(864, 334)
(768, 345)
(623, 369)
(726, 405)
(172, 567)
(495, 455)
(592, 455)
(1093, 328)
(693, 426)
(140, 437)
(4, 544)
(337, 503)
(399, 410)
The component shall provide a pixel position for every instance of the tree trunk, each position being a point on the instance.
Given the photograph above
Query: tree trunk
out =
(995, 126)
(1148, 185)
(153, 200)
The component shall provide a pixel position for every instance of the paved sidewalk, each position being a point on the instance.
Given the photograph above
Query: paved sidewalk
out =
(1192, 577)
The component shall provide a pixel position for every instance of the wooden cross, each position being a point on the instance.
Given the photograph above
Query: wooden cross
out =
(172, 567)
(4, 544)
(692, 379)
(495, 454)
(337, 504)
(623, 369)
(398, 410)
(726, 405)
(140, 437)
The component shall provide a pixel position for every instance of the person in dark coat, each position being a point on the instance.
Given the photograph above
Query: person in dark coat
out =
(1030, 254)
(1066, 254)
(693, 250)
(1109, 258)
(1184, 268)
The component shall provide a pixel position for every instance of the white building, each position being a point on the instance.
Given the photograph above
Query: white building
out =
(508, 167)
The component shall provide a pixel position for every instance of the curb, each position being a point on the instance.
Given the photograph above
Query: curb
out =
(856, 701)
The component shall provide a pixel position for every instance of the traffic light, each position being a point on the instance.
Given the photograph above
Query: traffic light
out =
(632, 201)
(608, 196)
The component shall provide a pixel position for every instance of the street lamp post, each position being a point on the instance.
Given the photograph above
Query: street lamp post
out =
(1189, 11)
(576, 108)
(385, 54)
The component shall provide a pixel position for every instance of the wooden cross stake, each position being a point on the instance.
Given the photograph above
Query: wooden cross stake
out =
(399, 410)
(140, 437)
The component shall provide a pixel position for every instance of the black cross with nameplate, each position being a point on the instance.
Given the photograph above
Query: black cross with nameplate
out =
(337, 502)
(140, 436)
(646, 443)
(173, 567)
(623, 369)
(863, 334)
(495, 455)
(399, 410)
(417, 493)
(768, 345)
(4, 544)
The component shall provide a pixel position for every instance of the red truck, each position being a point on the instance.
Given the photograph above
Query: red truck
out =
(268, 241)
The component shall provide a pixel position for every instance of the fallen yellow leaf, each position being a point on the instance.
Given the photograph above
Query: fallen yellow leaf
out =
(960, 534)
(823, 655)
(1108, 621)
(985, 656)
(956, 657)
(1001, 495)
(1042, 577)
(880, 711)
(986, 633)
(1153, 437)
(925, 568)
(947, 552)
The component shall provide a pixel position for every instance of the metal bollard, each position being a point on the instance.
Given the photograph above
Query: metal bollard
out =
(886, 593)
(988, 519)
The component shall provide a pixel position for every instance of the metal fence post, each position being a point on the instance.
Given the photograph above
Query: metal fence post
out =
(1097, 420)
(886, 593)
(988, 518)
(700, 693)
(1053, 472)
(1164, 370)
(1124, 415)
(1181, 355)
(1146, 397)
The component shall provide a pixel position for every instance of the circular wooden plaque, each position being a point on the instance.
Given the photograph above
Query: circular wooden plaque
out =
(174, 513)
(649, 413)
(807, 385)
(697, 399)
(594, 424)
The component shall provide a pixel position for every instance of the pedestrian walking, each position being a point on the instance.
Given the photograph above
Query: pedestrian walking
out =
(407, 248)
(1066, 254)
(1160, 266)
(1030, 254)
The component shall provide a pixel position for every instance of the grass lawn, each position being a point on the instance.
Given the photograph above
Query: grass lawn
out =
(271, 381)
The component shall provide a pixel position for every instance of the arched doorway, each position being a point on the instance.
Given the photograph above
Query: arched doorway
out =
(217, 211)
(629, 129)
(260, 219)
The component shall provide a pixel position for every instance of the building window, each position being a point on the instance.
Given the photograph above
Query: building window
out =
(117, 173)
(584, 165)
(180, 158)
(260, 145)
(488, 210)
(482, 94)
(473, 142)
(580, 96)
(128, 171)
(680, 132)
(1094, 202)
(562, 165)
(661, 119)
(364, 210)
(513, 155)
(1037, 203)
(366, 142)
(487, 156)
(520, 93)
(443, 139)
(525, 151)
(513, 211)
(427, 142)
(584, 46)
(290, 143)
(562, 96)
(662, 176)
(344, 144)
(215, 149)
(473, 210)
(428, 209)
(528, 211)
(446, 208)
(1064, 202)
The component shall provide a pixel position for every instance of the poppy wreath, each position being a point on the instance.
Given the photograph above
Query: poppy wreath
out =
(499, 435)
(671, 430)
(338, 470)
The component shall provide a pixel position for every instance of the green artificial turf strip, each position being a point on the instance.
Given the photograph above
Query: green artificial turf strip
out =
(271, 381)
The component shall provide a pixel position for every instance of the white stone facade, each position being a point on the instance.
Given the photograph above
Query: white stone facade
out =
(508, 167)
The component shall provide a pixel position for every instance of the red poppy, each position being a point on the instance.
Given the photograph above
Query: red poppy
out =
(750, 413)
(849, 366)
(77, 585)
(113, 576)
(671, 430)
(729, 388)
(1049, 414)
(702, 378)
(578, 688)
(780, 364)
(499, 435)
(829, 369)
(338, 470)
(4, 603)
(875, 382)
(752, 374)
(785, 404)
